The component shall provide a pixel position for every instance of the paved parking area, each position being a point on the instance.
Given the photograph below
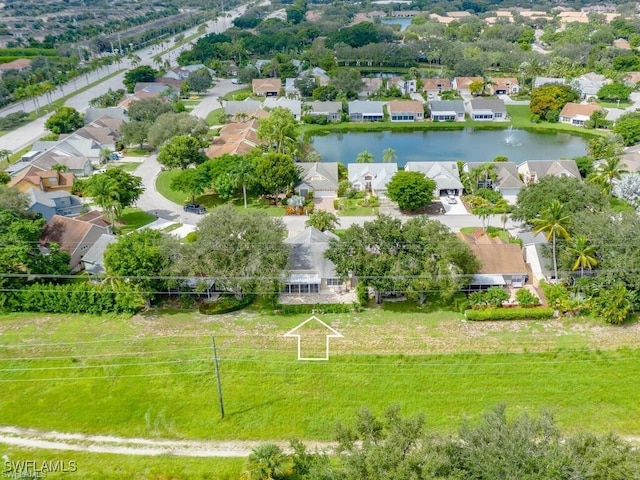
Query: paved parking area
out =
(457, 208)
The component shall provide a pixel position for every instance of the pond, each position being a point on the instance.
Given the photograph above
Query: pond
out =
(469, 145)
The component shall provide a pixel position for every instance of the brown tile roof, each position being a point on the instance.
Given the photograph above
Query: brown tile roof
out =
(413, 106)
(495, 256)
(504, 83)
(574, 109)
(464, 82)
(35, 176)
(436, 84)
(265, 85)
(17, 64)
(235, 138)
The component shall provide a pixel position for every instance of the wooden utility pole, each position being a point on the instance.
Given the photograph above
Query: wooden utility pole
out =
(217, 365)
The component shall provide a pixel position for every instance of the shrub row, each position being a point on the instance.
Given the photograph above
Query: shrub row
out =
(226, 304)
(537, 313)
(318, 308)
(81, 297)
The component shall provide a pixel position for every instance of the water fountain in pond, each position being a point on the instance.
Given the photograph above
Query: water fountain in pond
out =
(510, 137)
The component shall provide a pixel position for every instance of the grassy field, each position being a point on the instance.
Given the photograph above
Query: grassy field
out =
(209, 200)
(96, 466)
(152, 375)
(134, 218)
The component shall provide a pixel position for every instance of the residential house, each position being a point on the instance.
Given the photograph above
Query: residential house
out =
(294, 106)
(622, 44)
(371, 86)
(78, 165)
(266, 87)
(310, 272)
(105, 136)
(445, 174)
(540, 81)
(59, 202)
(504, 86)
(93, 114)
(632, 79)
(18, 65)
(41, 179)
(406, 111)
(435, 86)
(461, 84)
(182, 73)
(502, 263)
(371, 177)
(447, 110)
(235, 138)
(260, 64)
(487, 110)
(331, 110)
(319, 178)
(405, 86)
(290, 89)
(613, 114)
(366, 111)
(156, 89)
(589, 84)
(75, 146)
(247, 107)
(95, 217)
(532, 171)
(73, 236)
(321, 76)
(578, 114)
(93, 259)
(507, 179)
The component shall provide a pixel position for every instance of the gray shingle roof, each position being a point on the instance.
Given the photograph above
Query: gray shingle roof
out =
(94, 257)
(447, 106)
(307, 253)
(444, 173)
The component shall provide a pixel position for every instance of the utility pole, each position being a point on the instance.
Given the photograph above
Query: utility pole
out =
(217, 365)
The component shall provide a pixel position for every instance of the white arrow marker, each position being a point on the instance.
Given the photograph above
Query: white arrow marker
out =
(298, 332)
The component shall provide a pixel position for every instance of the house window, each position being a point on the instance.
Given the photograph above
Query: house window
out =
(84, 247)
(334, 282)
(497, 115)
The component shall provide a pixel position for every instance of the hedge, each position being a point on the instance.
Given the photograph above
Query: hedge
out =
(226, 304)
(79, 297)
(318, 308)
(537, 313)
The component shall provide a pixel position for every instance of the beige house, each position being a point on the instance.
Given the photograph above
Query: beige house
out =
(43, 180)
(266, 87)
(406, 111)
(577, 113)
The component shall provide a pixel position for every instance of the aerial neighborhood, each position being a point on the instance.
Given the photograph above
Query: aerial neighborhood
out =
(412, 184)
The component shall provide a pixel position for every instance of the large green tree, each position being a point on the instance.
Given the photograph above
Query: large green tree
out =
(553, 222)
(192, 181)
(279, 131)
(411, 190)
(200, 80)
(241, 250)
(180, 152)
(149, 109)
(276, 173)
(169, 125)
(628, 127)
(64, 120)
(323, 220)
(551, 98)
(114, 190)
(143, 73)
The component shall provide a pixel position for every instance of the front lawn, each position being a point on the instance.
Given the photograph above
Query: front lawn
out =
(133, 219)
(126, 166)
(210, 200)
(239, 94)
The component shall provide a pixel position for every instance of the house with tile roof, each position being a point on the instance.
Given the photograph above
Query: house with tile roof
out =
(502, 264)
(73, 236)
(445, 174)
(235, 138)
(577, 113)
(461, 84)
(266, 87)
(532, 171)
(504, 86)
(435, 86)
(18, 65)
(406, 111)
(318, 177)
(371, 177)
(310, 272)
(41, 179)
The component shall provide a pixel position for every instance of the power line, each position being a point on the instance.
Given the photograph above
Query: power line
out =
(111, 365)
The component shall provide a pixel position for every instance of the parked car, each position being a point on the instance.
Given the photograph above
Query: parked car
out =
(195, 208)
(451, 200)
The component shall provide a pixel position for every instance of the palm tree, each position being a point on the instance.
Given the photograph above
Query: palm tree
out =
(158, 60)
(267, 462)
(134, 59)
(5, 154)
(607, 173)
(364, 157)
(105, 194)
(582, 253)
(553, 221)
(323, 220)
(389, 155)
(58, 167)
(243, 173)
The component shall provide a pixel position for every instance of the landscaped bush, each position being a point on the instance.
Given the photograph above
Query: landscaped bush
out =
(536, 313)
(318, 308)
(78, 297)
(526, 299)
(225, 304)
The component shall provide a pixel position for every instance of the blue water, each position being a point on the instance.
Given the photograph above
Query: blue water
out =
(404, 22)
(468, 145)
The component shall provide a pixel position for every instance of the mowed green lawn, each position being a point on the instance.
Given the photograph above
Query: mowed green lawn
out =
(153, 376)
(99, 466)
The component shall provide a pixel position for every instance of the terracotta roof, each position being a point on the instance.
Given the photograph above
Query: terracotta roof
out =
(575, 109)
(17, 64)
(436, 84)
(495, 256)
(65, 231)
(413, 106)
(264, 85)
(504, 83)
(34, 175)
(464, 82)
(95, 217)
(235, 138)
